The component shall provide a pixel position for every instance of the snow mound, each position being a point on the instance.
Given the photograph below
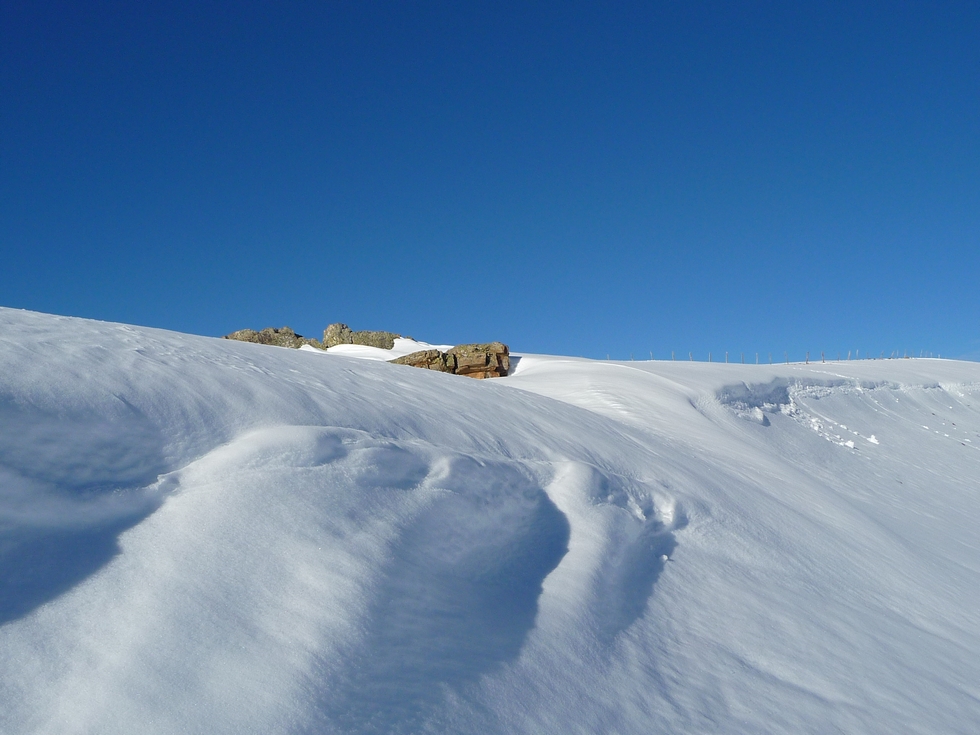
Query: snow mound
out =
(205, 536)
(402, 347)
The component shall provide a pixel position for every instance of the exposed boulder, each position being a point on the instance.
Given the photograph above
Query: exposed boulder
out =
(428, 359)
(341, 334)
(284, 337)
(384, 340)
(484, 360)
(337, 334)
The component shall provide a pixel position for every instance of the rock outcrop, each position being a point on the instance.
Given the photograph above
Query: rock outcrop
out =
(337, 334)
(478, 360)
(284, 337)
(482, 360)
(428, 359)
(341, 334)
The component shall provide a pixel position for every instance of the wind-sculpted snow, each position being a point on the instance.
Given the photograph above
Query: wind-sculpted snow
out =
(204, 536)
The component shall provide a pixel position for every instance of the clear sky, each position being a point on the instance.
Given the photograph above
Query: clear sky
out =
(577, 178)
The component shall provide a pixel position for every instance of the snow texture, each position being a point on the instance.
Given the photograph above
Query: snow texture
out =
(206, 536)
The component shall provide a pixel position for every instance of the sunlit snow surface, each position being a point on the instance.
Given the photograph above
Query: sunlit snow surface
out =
(206, 536)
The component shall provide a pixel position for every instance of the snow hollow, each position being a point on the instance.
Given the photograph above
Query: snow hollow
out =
(206, 536)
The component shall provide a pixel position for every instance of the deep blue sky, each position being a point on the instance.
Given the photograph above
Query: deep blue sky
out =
(577, 178)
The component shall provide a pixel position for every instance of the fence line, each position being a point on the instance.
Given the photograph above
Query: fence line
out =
(850, 356)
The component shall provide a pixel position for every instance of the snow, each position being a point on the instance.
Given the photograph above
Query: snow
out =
(205, 536)
(403, 346)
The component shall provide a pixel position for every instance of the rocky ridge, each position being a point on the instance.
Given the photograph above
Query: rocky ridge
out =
(476, 360)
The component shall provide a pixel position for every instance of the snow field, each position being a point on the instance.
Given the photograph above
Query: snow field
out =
(199, 535)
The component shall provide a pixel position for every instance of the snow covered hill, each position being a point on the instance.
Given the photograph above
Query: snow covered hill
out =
(205, 536)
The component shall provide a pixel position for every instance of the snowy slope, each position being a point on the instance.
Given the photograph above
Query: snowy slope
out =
(205, 536)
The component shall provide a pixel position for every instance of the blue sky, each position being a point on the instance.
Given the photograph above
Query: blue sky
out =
(575, 178)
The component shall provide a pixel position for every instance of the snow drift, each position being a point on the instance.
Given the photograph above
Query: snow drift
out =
(205, 536)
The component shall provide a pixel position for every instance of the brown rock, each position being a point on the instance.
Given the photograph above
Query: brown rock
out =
(341, 334)
(482, 360)
(384, 340)
(244, 335)
(485, 360)
(337, 334)
(284, 337)
(428, 359)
